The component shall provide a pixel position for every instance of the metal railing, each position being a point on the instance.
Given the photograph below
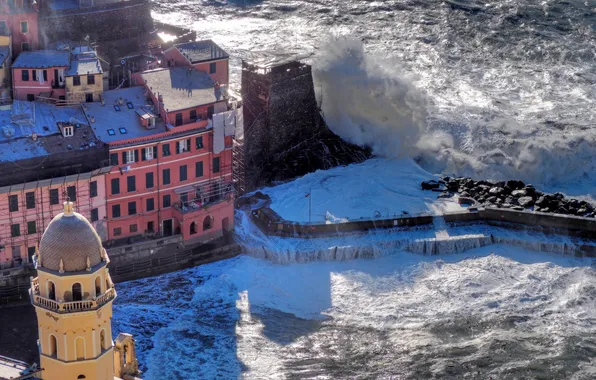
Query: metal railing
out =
(214, 193)
(72, 306)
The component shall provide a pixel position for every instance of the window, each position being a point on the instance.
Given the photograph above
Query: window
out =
(210, 111)
(34, 74)
(117, 231)
(193, 115)
(165, 149)
(13, 203)
(77, 292)
(212, 68)
(150, 204)
(30, 254)
(45, 75)
(178, 119)
(90, 79)
(71, 192)
(93, 189)
(94, 215)
(112, 132)
(193, 228)
(199, 169)
(115, 186)
(114, 159)
(76, 80)
(131, 183)
(24, 26)
(129, 156)
(148, 153)
(30, 97)
(132, 208)
(25, 46)
(167, 201)
(115, 211)
(183, 146)
(183, 173)
(68, 131)
(130, 105)
(15, 230)
(30, 199)
(117, 107)
(3, 29)
(148, 180)
(89, 97)
(54, 198)
(133, 228)
(199, 142)
(215, 164)
(31, 227)
(123, 131)
(166, 176)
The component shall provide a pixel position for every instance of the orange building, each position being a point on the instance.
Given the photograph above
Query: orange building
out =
(165, 179)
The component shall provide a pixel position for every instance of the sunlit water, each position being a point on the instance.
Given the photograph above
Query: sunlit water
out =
(486, 88)
(495, 311)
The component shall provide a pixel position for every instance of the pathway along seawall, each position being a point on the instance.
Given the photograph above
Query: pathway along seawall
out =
(584, 229)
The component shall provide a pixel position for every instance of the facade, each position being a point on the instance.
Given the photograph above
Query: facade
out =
(45, 158)
(205, 56)
(5, 63)
(19, 19)
(164, 180)
(73, 296)
(40, 74)
(84, 77)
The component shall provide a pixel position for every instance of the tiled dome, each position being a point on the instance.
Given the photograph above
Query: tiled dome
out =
(73, 239)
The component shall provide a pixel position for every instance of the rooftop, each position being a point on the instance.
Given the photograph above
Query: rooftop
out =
(22, 121)
(4, 52)
(41, 59)
(182, 88)
(84, 63)
(201, 51)
(123, 122)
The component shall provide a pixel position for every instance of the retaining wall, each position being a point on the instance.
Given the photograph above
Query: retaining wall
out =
(273, 224)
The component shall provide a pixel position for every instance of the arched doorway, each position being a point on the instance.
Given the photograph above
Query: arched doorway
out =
(193, 228)
(97, 286)
(77, 292)
(80, 348)
(53, 346)
(207, 223)
(51, 291)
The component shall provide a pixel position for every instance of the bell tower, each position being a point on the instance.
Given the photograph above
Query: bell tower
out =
(73, 296)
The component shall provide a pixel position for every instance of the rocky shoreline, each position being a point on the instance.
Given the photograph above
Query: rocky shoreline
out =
(512, 194)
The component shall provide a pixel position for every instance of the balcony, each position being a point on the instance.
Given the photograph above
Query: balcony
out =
(216, 193)
(69, 307)
(56, 85)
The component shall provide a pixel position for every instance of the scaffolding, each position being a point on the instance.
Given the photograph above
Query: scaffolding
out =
(238, 168)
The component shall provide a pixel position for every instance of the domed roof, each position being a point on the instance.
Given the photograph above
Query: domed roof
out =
(70, 238)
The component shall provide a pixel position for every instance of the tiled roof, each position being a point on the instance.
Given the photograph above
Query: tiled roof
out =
(200, 51)
(84, 66)
(41, 59)
(182, 88)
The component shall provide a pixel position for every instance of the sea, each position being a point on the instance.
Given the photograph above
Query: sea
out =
(501, 89)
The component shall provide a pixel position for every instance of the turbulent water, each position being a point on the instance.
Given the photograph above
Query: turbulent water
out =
(495, 312)
(490, 89)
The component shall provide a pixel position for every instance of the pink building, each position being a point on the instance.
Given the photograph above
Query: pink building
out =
(205, 56)
(40, 73)
(182, 94)
(18, 18)
(47, 154)
(164, 180)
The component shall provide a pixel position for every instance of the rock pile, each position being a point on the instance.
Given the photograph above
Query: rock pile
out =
(511, 194)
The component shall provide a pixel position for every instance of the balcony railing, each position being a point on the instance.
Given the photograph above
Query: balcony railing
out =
(69, 307)
(56, 85)
(205, 199)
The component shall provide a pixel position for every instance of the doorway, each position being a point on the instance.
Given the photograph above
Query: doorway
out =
(89, 98)
(150, 227)
(168, 227)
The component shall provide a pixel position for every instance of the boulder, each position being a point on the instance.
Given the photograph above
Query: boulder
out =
(453, 185)
(445, 194)
(492, 199)
(515, 184)
(429, 185)
(562, 210)
(496, 190)
(464, 194)
(542, 201)
(519, 193)
(559, 196)
(525, 201)
(517, 208)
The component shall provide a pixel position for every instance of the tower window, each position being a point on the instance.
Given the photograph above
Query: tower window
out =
(77, 292)
(53, 346)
